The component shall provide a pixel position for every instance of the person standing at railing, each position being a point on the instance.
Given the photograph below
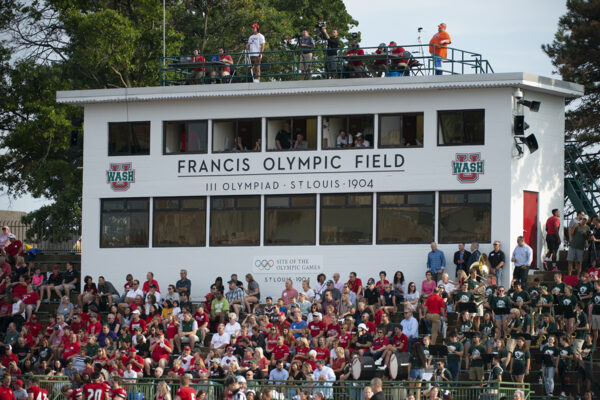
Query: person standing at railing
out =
(437, 47)
(306, 44)
(333, 45)
(256, 46)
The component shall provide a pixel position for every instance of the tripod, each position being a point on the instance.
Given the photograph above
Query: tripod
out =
(247, 64)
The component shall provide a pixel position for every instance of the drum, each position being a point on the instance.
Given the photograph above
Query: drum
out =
(398, 365)
(363, 368)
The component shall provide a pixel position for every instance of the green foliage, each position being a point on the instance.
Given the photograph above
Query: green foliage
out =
(575, 52)
(90, 44)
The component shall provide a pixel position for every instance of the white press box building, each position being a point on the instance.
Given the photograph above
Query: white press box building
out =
(171, 177)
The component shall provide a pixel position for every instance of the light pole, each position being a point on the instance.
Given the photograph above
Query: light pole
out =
(164, 31)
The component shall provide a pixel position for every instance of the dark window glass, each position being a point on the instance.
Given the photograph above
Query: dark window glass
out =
(346, 219)
(285, 133)
(124, 223)
(461, 127)
(405, 217)
(235, 221)
(401, 130)
(128, 138)
(465, 217)
(236, 135)
(290, 220)
(185, 137)
(179, 222)
(351, 125)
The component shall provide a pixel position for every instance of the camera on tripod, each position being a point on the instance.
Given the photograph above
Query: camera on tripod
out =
(321, 25)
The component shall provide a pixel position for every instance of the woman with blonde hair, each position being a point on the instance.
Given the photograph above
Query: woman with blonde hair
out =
(162, 391)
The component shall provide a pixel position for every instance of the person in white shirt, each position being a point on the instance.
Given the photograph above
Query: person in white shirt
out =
(186, 358)
(361, 141)
(233, 328)
(132, 294)
(255, 46)
(343, 141)
(325, 376)
(228, 358)
(410, 327)
(219, 341)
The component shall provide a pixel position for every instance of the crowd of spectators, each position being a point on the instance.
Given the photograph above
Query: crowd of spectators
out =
(310, 335)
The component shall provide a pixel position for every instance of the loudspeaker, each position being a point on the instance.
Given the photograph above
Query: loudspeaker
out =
(531, 143)
(520, 126)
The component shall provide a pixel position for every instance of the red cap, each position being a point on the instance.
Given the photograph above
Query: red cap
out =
(442, 25)
(187, 348)
(229, 348)
(19, 382)
(132, 349)
(392, 43)
(282, 314)
(255, 26)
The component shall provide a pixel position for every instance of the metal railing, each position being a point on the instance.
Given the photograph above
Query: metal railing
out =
(145, 388)
(20, 229)
(288, 65)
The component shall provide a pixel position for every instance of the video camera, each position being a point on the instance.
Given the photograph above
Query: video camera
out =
(321, 25)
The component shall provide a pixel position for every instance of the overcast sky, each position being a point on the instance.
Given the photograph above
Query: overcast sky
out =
(507, 33)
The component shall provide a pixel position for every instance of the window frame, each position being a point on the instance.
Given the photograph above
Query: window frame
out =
(236, 122)
(390, 146)
(289, 196)
(321, 207)
(126, 199)
(466, 192)
(130, 126)
(180, 209)
(236, 207)
(186, 122)
(378, 241)
(291, 120)
(347, 129)
(462, 111)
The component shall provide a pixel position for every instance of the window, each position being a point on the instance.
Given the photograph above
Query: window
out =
(185, 137)
(351, 125)
(124, 223)
(346, 218)
(128, 138)
(405, 218)
(179, 222)
(401, 130)
(290, 220)
(465, 217)
(461, 127)
(282, 134)
(235, 221)
(237, 135)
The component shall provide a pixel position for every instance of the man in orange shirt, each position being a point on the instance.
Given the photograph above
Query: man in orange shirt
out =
(440, 40)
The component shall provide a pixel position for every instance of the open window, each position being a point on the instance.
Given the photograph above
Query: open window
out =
(401, 130)
(185, 137)
(236, 135)
(341, 132)
(298, 133)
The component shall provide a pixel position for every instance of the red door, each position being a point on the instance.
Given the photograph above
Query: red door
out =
(530, 222)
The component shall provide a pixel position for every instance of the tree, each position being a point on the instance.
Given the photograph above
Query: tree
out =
(57, 45)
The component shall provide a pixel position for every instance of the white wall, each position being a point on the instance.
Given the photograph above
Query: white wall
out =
(424, 169)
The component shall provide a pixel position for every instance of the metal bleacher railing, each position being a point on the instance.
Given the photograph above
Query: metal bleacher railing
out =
(285, 65)
(20, 230)
(145, 389)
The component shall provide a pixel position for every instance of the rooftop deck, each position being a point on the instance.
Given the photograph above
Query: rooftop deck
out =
(288, 65)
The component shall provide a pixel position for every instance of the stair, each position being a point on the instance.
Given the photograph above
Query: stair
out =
(580, 185)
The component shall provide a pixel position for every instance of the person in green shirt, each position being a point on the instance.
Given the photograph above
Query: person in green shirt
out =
(521, 361)
(219, 308)
(519, 296)
(496, 371)
(582, 327)
(92, 346)
(487, 330)
(462, 297)
(558, 286)
(579, 232)
(455, 353)
(500, 305)
(584, 359)
(564, 362)
(441, 373)
(465, 327)
(501, 351)
(546, 300)
(585, 288)
(548, 326)
(549, 363)
(568, 302)
(474, 362)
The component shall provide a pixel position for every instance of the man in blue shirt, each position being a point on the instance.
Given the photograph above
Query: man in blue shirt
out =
(298, 326)
(436, 262)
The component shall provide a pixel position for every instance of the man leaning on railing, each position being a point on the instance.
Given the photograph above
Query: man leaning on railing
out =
(306, 44)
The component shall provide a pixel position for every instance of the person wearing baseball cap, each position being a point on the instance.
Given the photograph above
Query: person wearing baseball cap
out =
(255, 47)
(437, 47)
(364, 340)
(13, 248)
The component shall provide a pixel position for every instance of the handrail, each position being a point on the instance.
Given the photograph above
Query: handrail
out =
(287, 65)
(574, 154)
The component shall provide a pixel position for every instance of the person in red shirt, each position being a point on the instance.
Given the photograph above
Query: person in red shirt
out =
(32, 301)
(161, 351)
(355, 284)
(150, 281)
(355, 69)
(76, 394)
(380, 343)
(136, 322)
(95, 327)
(552, 237)
(380, 65)
(224, 58)
(185, 392)
(196, 74)
(280, 352)
(72, 348)
(6, 393)
(96, 390)
(13, 249)
(136, 360)
(316, 328)
(365, 319)
(117, 392)
(435, 310)
(323, 351)
(9, 356)
(35, 392)
(399, 62)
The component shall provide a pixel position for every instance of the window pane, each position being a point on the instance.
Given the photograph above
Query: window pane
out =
(466, 222)
(401, 130)
(359, 200)
(346, 224)
(282, 134)
(140, 142)
(124, 227)
(118, 138)
(235, 226)
(128, 138)
(405, 222)
(461, 127)
(303, 201)
(194, 203)
(332, 127)
(446, 198)
(237, 135)
(166, 204)
(185, 137)
(289, 226)
(179, 228)
(333, 200)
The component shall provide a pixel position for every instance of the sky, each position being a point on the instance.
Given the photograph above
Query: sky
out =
(507, 33)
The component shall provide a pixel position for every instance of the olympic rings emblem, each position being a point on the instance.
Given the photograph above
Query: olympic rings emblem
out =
(264, 265)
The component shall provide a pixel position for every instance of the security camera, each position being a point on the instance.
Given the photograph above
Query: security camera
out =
(518, 94)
